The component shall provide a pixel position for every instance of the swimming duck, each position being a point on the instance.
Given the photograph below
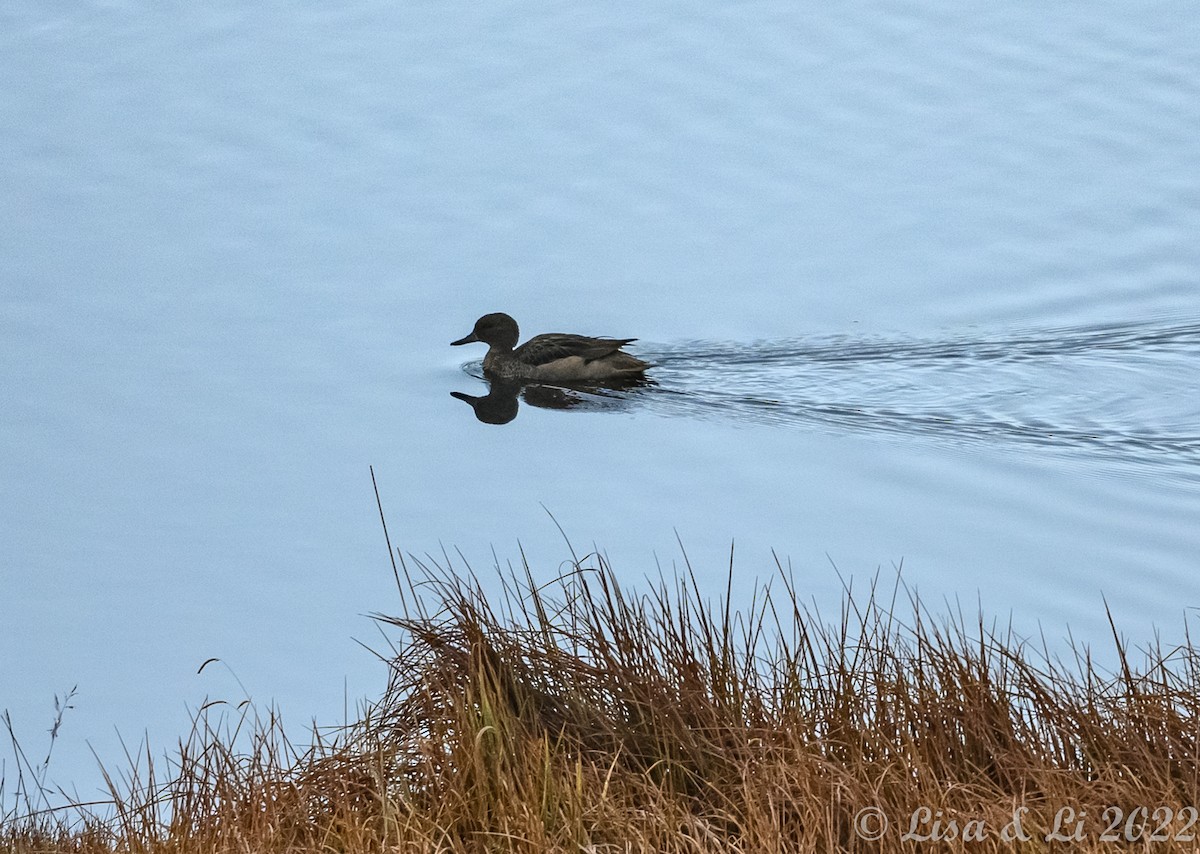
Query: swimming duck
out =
(555, 357)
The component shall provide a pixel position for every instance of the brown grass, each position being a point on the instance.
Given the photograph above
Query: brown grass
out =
(577, 717)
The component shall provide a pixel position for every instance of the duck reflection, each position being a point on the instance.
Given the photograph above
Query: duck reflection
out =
(502, 402)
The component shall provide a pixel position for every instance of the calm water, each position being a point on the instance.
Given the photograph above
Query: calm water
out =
(922, 286)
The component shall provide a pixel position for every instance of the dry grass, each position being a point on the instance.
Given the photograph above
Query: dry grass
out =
(577, 717)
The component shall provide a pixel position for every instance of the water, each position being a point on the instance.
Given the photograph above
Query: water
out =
(921, 287)
(1126, 392)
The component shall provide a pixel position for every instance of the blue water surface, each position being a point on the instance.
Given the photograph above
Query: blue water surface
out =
(921, 283)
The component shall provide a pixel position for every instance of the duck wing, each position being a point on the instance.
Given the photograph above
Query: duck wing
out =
(561, 345)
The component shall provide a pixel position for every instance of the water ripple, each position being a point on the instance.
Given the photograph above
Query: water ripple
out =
(1128, 390)
(1033, 344)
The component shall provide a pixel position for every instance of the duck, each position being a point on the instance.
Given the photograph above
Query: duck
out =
(553, 357)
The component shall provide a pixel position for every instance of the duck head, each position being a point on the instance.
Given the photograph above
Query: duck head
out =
(496, 330)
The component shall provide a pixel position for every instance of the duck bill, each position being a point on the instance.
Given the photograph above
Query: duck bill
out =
(470, 339)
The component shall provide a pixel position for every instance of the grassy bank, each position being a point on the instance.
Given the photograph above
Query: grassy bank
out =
(575, 716)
